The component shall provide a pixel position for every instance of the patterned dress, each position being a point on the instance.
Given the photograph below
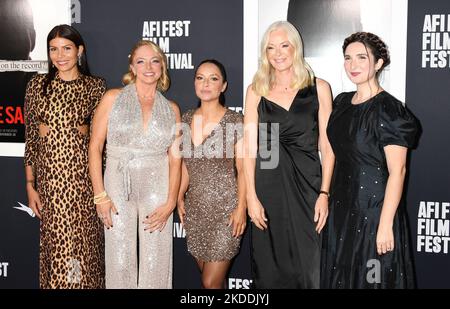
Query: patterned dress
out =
(212, 193)
(71, 237)
(137, 180)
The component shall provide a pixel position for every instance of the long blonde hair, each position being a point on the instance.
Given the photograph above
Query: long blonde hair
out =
(264, 78)
(164, 80)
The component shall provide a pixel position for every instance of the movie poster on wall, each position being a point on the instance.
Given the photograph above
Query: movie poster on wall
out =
(324, 24)
(24, 25)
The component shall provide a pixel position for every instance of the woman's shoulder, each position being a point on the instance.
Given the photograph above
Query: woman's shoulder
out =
(37, 79)
(342, 98)
(187, 115)
(234, 117)
(189, 112)
(397, 124)
(388, 101)
(321, 83)
(95, 82)
(252, 93)
(112, 94)
(391, 107)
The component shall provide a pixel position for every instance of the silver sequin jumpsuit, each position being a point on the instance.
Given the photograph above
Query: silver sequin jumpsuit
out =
(137, 180)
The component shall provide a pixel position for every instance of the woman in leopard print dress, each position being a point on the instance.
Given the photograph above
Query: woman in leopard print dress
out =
(59, 106)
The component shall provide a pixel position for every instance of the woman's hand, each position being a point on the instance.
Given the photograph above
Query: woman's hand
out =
(157, 219)
(238, 219)
(256, 213)
(321, 212)
(104, 213)
(181, 211)
(34, 202)
(385, 239)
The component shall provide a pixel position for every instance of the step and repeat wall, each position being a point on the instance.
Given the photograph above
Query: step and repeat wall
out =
(187, 32)
(417, 33)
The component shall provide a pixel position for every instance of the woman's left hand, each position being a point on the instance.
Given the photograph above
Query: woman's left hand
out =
(385, 239)
(321, 212)
(157, 219)
(238, 219)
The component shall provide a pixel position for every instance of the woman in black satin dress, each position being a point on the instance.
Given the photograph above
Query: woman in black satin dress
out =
(366, 241)
(287, 187)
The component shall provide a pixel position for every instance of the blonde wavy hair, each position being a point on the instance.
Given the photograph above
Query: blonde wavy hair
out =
(164, 80)
(264, 78)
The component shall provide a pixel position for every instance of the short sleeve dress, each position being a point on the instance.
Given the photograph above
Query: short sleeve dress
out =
(358, 135)
(212, 194)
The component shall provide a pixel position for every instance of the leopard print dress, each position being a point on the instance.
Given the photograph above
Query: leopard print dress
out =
(71, 235)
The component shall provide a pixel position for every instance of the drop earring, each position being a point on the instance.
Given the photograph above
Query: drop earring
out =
(79, 60)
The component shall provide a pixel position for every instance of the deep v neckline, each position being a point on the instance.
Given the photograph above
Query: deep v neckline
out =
(290, 106)
(145, 125)
(210, 133)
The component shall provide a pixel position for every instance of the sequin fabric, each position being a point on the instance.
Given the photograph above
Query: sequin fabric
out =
(212, 193)
(137, 180)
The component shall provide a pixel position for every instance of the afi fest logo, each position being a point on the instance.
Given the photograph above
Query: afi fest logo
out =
(238, 283)
(25, 209)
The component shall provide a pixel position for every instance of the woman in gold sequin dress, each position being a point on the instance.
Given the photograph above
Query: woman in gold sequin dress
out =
(211, 202)
(138, 194)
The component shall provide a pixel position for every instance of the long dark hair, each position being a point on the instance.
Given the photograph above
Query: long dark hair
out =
(71, 34)
(221, 68)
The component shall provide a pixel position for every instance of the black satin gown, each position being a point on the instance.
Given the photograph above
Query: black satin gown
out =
(358, 135)
(287, 254)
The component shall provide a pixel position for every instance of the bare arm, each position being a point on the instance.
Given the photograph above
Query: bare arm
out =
(255, 209)
(175, 161)
(158, 218)
(184, 185)
(396, 163)
(239, 216)
(98, 138)
(99, 128)
(325, 108)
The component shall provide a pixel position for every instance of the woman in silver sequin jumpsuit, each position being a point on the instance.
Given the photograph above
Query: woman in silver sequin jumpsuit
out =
(142, 173)
(213, 210)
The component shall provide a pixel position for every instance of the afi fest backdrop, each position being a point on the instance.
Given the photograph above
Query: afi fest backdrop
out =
(189, 31)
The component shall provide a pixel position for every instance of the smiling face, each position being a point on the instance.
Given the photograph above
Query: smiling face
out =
(280, 51)
(146, 65)
(64, 55)
(209, 82)
(360, 64)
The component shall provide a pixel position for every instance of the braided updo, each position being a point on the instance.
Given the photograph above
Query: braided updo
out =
(374, 43)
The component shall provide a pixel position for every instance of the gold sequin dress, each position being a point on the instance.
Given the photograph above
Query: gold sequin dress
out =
(212, 194)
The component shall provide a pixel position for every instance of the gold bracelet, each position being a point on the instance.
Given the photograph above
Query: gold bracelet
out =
(102, 202)
(100, 196)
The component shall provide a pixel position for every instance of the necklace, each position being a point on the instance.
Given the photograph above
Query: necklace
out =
(145, 97)
(283, 88)
(357, 100)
